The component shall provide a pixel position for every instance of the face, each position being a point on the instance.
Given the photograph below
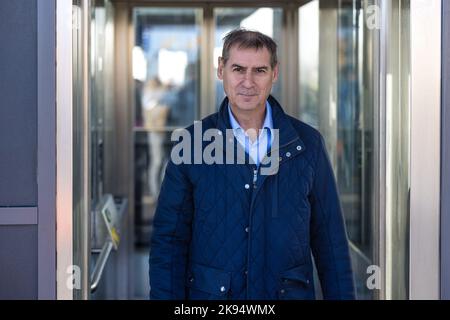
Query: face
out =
(247, 77)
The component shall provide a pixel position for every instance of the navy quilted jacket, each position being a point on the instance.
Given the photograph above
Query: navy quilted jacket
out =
(215, 237)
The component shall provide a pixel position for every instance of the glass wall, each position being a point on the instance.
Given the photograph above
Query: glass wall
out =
(81, 197)
(102, 136)
(355, 116)
(92, 80)
(101, 86)
(337, 97)
(166, 75)
(339, 78)
(309, 62)
(398, 111)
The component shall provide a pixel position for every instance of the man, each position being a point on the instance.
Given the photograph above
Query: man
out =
(227, 231)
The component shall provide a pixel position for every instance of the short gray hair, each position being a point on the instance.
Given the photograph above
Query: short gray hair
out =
(246, 39)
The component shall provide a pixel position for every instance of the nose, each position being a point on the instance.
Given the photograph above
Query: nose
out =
(247, 81)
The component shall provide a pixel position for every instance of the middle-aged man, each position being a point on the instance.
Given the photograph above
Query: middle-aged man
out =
(225, 230)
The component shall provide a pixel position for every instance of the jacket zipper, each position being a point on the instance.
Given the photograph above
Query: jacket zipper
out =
(255, 171)
(255, 177)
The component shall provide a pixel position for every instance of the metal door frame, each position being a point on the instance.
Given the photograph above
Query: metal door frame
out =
(46, 151)
(445, 153)
(65, 269)
(424, 265)
(64, 131)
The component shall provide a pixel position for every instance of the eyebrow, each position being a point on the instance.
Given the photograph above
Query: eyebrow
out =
(234, 65)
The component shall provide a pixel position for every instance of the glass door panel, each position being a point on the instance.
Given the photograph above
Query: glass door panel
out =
(81, 177)
(339, 71)
(166, 75)
(398, 146)
(337, 85)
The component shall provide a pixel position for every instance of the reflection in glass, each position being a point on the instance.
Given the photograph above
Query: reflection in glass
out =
(166, 75)
(265, 20)
(309, 62)
(354, 134)
(165, 68)
(97, 99)
(336, 96)
(101, 63)
(339, 79)
(398, 151)
(79, 196)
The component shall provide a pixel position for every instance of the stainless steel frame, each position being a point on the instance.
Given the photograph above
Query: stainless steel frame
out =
(72, 225)
(375, 51)
(64, 158)
(379, 53)
(100, 266)
(381, 145)
(425, 149)
(123, 182)
(84, 233)
(445, 154)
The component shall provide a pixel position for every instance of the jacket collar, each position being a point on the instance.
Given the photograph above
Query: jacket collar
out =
(287, 133)
(267, 124)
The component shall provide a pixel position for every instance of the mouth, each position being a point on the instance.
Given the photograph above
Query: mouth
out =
(247, 94)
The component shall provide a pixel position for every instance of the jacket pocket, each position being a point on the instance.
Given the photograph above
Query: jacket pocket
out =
(296, 283)
(204, 282)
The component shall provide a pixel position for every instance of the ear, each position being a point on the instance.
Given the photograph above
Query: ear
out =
(220, 68)
(275, 72)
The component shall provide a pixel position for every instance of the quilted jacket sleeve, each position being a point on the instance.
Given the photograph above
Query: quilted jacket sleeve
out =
(328, 236)
(171, 236)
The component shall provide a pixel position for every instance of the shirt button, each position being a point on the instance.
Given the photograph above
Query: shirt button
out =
(219, 132)
(280, 158)
(191, 279)
(246, 272)
(299, 148)
(282, 291)
(288, 154)
(247, 186)
(222, 289)
(246, 229)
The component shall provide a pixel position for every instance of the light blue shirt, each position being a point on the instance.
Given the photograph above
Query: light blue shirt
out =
(259, 148)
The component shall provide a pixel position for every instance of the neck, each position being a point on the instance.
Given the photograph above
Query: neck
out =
(250, 119)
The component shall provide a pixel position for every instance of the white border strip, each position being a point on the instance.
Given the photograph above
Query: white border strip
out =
(425, 148)
(64, 236)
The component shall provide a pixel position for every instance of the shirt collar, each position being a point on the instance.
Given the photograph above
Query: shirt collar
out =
(268, 123)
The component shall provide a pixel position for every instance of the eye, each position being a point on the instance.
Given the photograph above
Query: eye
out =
(237, 69)
(261, 70)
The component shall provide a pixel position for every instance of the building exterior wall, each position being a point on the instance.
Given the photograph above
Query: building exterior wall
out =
(27, 149)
